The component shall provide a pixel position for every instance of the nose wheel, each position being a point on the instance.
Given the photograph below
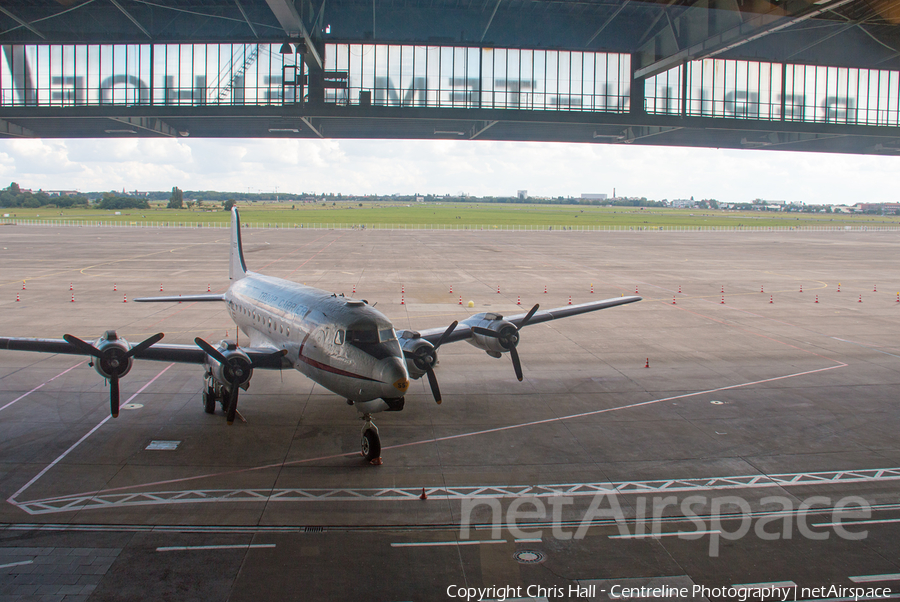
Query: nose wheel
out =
(370, 444)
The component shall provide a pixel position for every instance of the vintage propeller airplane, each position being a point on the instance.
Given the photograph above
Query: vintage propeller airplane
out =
(343, 344)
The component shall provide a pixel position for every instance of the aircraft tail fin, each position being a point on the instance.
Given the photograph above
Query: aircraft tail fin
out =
(237, 269)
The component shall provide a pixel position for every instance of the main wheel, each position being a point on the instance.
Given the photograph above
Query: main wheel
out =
(209, 400)
(371, 445)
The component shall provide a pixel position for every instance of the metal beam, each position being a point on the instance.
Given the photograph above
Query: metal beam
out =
(607, 22)
(783, 138)
(638, 132)
(246, 18)
(17, 131)
(310, 126)
(24, 24)
(151, 124)
(752, 29)
(293, 25)
(131, 18)
(486, 125)
(491, 20)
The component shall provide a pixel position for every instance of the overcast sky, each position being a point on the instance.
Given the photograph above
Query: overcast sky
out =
(446, 167)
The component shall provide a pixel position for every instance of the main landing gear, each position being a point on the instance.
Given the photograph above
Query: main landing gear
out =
(214, 392)
(370, 445)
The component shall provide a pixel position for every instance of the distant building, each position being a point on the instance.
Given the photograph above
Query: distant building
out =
(522, 195)
(683, 203)
(590, 196)
(878, 207)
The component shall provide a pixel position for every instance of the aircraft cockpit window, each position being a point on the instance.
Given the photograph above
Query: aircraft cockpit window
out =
(363, 336)
(378, 344)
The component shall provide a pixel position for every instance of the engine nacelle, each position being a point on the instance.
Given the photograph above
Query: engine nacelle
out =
(237, 368)
(418, 353)
(507, 333)
(112, 360)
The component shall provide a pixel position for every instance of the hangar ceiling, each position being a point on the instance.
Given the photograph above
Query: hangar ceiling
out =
(659, 38)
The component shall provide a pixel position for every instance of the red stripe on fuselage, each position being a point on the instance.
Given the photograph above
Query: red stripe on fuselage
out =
(319, 365)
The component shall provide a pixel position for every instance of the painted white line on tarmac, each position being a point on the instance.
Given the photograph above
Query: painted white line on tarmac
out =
(425, 544)
(41, 385)
(875, 578)
(12, 564)
(257, 497)
(766, 585)
(656, 535)
(12, 498)
(851, 523)
(221, 547)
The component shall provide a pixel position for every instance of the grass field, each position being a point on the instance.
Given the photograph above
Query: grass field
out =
(455, 215)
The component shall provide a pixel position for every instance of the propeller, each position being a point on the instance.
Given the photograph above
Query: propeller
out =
(508, 337)
(237, 369)
(113, 361)
(426, 358)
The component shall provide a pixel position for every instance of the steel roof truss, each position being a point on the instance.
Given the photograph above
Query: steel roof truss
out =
(23, 23)
(131, 18)
(15, 131)
(150, 124)
(293, 25)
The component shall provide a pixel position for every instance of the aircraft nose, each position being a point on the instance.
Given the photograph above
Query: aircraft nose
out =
(401, 384)
(395, 377)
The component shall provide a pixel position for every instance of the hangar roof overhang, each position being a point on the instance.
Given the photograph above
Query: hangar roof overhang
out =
(658, 37)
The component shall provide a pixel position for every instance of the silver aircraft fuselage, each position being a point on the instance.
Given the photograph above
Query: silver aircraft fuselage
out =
(340, 343)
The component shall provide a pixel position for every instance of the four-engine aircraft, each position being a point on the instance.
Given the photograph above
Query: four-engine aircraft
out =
(341, 343)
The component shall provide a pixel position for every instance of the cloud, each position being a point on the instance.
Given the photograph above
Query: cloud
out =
(444, 166)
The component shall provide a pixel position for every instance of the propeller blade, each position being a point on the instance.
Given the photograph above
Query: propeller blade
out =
(114, 396)
(485, 332)
(210, 350)
(446, 335)
(517, 366)
(232, 403)
(82, 346)
(144, 345)
(528, 317)
(435, 390)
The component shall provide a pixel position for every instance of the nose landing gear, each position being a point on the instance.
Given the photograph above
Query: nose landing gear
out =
(370, 444)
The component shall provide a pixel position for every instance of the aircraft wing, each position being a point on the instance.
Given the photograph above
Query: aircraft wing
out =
(181, 298)
(463, 331)
(262, 357)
